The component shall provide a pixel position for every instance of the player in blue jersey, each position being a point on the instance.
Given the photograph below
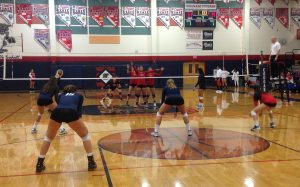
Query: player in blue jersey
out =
(171, 97)
(45, 99)
(68, 110)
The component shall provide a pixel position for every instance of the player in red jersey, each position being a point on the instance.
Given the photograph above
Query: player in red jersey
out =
(131, 70)
(141, 85)
(262, 101)
(151, 81)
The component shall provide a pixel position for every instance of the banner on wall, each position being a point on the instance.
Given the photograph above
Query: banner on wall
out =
(272, 1)
(282, 14)
(295, 15)
(7, 12)
(255, 16)
(64, 37)
(41, 11)
(163, 15)
(128, 14)
(63, 12)
(258, 1)
(132, 1)
(112, 14)
(226, 1)
(177, 16)
(24, 11)
(144, 15)
(79, 14)
(286, 2)
(268, 15)
(194, 45)
(236, 14)
(166, 1)
(208, 45)
(223, 16)
(42, 37)
(98, 14)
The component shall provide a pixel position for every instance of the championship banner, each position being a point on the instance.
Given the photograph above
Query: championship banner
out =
(64, 37)
(236, 15)
(177, 16)
(132, 1)
(268, 15)
(128, 14)
(240, 1)
(255, 16)
(7, 12)
(63, 12)
(272, 2)
(282, 14)
(223, 16)
(24, 11)
(42, 37)
(258, 2)
(98, 14)
(79, 14)
(112, 14)
(144, 15)
(286, 2)
(41, 11)
(163, 15)
(295, 15)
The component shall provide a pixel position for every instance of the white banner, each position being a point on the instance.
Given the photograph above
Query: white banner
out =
(129, 15)
(143, 14)
(79, 14)
(7, 12)
(163, 15)
(63, 12)
(177, 16)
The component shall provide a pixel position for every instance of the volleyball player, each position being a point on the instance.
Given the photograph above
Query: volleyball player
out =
(171, 97)
(235, 77)
(69, 111)
(31, 81)
(262, 101)
(131, 71)
(45, 100)
(114, 85)
(151, 81)
(202, 86)
(218, 79)
(224, 76)
(141, 86)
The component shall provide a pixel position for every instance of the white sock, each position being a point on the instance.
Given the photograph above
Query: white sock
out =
(35, 125)
(256, 123)
(156, 129)
(188, 127)
(42, 156)
(62, 126)
(89, 154)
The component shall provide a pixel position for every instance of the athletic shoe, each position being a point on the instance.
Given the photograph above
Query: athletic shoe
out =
(155, 134)
(154, 105)
(189, 132)
(40, 165)
(62, 131)
(91, 163)
(255, 128)
(272, 125)
(33, 130)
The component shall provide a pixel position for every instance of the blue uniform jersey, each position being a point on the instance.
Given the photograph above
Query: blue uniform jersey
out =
(49, 94)
(169, 92)
(70, 101)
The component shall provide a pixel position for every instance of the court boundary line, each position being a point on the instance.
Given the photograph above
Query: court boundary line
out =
(14, 112)
(106, 170)
(284, 146)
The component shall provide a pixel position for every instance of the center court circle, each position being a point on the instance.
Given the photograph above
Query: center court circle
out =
(174, 144)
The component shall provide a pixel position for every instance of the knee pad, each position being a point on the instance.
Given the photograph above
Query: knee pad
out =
(158, 114)
(270, 112)
(86, 137)
(39, 114)
(253, 113)
(47, 139)
(185, 115)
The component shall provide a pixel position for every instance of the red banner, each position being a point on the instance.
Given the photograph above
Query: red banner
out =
(258, 1)
(223, 16)
(64, 37)
(236, 15)
(240, 1)
(24, 12)
(98, 14)
(272, 1)
(112, 14)
(282, 14)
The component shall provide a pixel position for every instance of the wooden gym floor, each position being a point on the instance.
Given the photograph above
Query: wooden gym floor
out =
(221, 152)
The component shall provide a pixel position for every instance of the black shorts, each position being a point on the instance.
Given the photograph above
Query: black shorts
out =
(271, 105)
(132, 85)
(44, 101)
(150, 86)
(141, 86)
(174, 100)
(113, 88)
(64, 115)
(202, 86)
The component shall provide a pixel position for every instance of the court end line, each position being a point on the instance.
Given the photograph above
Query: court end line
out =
(108, 178)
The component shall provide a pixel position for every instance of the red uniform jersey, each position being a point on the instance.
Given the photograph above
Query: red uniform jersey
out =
(132, 74)
(151, 73)
(267, 99)
(141, 81)
(32, 75)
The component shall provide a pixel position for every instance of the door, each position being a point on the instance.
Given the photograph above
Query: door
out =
(191, 69)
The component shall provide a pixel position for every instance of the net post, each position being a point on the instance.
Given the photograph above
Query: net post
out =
(4, 66)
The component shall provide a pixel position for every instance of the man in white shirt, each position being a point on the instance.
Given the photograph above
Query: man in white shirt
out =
(219, 80)
(224, 75)
(275, 50)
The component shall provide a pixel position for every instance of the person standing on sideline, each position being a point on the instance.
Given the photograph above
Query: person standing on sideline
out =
(275, 50)
(202, 86)
(235, 77)
(31, 81)
(225, 74)
(218, 77)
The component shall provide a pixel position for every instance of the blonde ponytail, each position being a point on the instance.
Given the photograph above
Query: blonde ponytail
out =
(171, 84)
